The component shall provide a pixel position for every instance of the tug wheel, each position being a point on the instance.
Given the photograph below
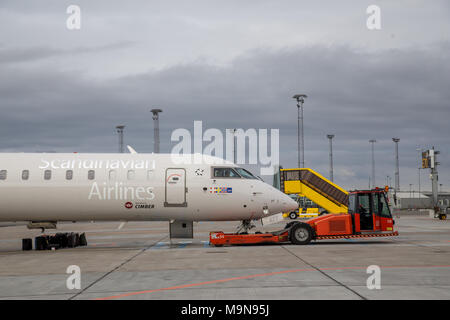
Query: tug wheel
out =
(293, 215)
(288, 225)
(442, 216)
(301, 233)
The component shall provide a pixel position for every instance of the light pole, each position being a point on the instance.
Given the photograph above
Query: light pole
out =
(372, 141)
(418, 168)
(300, 139)
(155, 117)
(120, 132)
(397, 171)
(330, 138)
(233, 131)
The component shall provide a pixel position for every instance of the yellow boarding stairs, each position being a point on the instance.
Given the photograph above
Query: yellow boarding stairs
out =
(310, 184)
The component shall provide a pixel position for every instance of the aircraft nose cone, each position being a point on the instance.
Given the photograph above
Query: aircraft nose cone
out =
(288, 204)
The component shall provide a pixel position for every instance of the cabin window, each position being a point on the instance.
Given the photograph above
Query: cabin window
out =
(69, 175)
(47, 174)
(91, 174)
(3, 174)
(130, 175)
(225, 173)
(112, 174)
(150, 174)
(25, 174)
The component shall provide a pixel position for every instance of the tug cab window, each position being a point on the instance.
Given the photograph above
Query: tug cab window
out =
(225, 173)
(365, 211)
(364, 203)
(383, 206)
(245, 174)
(352, 203)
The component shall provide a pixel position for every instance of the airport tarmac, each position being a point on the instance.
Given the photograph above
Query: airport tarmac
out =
(139, 262)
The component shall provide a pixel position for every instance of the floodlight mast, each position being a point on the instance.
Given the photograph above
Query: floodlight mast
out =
(330, 137)
(120, 132)
(300, 132)
(397, 171)
(372, 142)
(233, 132)
(155, 117)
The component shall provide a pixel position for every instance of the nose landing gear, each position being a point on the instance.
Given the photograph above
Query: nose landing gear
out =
(245, 226)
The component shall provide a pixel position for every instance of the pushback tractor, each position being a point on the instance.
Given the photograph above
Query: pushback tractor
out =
(360, 214)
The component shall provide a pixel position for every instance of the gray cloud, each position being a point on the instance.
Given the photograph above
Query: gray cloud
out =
(355, 95)
(9, 55)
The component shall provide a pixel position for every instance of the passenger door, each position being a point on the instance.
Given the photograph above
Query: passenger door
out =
(175, 188)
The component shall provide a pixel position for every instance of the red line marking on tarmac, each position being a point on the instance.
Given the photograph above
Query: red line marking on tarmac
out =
(255, 276)
(203, 283)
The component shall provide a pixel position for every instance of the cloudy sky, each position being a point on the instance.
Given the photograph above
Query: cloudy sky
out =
(232, 64)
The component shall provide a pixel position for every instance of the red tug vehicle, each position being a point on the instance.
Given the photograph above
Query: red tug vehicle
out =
(368, 215)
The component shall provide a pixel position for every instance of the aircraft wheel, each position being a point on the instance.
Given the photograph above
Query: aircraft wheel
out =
(301, 233)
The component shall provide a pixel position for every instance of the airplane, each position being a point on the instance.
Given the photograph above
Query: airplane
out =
(46, 188)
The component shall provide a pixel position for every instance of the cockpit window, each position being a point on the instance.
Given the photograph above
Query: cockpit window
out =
(225, 173)
(245, 174)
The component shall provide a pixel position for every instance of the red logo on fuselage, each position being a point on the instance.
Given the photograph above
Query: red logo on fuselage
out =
(128, 205)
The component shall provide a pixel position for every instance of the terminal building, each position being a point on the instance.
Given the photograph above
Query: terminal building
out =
(406, 200)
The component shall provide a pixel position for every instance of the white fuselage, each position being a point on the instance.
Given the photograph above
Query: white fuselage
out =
(128, 187)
